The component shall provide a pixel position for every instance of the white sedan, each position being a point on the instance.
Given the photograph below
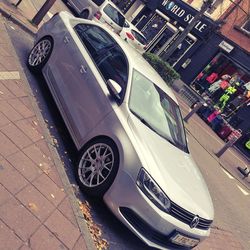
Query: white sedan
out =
(134, 37)
(127, 126)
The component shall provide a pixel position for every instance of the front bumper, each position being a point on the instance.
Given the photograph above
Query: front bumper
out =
(142, 217)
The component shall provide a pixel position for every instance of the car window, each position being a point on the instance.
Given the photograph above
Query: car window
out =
(113, 65)
(107, 55)
(157, 110)
(94, 38)
(98, 2)
(114, 15)
(139, 37)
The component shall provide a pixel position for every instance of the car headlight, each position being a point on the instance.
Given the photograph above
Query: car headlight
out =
(152, 190)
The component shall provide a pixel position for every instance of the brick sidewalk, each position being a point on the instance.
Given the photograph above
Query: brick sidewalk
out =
(37, 206)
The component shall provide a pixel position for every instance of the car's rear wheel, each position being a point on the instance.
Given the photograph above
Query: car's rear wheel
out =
(84, 14)
(97, 166)
(40, 54)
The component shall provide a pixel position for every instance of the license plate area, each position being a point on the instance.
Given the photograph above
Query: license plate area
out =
(183, 240)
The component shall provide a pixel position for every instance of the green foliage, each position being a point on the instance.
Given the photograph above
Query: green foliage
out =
(167, 73)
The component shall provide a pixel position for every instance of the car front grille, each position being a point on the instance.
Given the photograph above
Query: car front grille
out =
(187, 217)
(146, 230)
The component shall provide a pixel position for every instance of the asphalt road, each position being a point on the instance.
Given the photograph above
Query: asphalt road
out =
(231, 204)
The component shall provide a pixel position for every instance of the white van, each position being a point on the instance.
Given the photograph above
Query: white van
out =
(103, 11)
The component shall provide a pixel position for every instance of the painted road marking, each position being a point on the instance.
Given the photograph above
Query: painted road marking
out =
(9, 75)
(228, 175)
(242, 190)
(50, 14)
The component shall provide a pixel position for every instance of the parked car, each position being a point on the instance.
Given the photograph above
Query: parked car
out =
(134, 37)
(103, 11)
(127, 125)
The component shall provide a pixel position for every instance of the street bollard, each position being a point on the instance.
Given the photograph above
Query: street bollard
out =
(42, 12)
(194, 110)
(18, 3)
(229, 144)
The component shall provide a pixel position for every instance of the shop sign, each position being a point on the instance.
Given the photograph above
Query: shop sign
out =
(184, 14)
(226, 46)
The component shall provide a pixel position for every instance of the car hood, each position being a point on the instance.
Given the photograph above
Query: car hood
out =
(174, 170)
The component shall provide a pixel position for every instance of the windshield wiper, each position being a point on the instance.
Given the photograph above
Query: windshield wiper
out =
(152, 128)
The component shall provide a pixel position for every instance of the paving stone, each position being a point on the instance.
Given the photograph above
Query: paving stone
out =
(80, 244)
(24, 165)
(3, 120)
(49, 189)
(63, 229)
(4, 50)
(9, 64)
(11, 241)
(36, 155)
(16, 135)
(4, 92)
(10, 178)
(16, 87)
(66, 209)
(7, 147)
(29, 129)
(25, 247)
(19, 219)
(35, 202)
(21, 108)
(9, 111)
(5, 195)
(53, 175)
(44, 239)
(43, 146)
(27, 102)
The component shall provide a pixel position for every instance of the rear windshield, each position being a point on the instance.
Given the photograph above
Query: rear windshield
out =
(114, 14)
(139, 37)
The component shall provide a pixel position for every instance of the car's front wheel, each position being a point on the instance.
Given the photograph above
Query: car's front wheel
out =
(97, 166)
(40, 54)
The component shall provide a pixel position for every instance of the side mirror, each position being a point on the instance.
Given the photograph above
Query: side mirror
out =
(114, 88)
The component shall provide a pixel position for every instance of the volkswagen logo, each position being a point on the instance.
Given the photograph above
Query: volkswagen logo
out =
(195, 221)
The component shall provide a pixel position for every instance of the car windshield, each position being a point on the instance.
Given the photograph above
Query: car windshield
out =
(157, 110)
(114, 14)
(139, 37)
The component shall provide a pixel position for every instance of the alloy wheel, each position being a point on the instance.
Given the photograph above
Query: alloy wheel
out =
(96, 164)
(40, 52)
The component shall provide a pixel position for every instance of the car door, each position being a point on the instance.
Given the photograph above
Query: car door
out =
(79, 86)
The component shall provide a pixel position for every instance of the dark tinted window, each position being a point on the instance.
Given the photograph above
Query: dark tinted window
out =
(94, 38)
(113, 65)
(106, 53)
(139, 37)
(98, 2)
(114, 14)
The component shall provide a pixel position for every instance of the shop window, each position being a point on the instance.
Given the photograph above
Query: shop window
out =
(246, 26)
(214, 6)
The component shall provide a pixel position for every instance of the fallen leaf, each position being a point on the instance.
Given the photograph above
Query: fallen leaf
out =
(33, 206)
(53, 196)
(1, 92)
(35, 123)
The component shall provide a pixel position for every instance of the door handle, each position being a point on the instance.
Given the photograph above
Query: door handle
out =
(66, 40)
(83, 69)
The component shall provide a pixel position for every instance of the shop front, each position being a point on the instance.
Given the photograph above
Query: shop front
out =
(225, 85)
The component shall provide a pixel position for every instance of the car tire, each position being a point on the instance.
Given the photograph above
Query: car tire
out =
(97, 166)
(84, 14)
(40, 54)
